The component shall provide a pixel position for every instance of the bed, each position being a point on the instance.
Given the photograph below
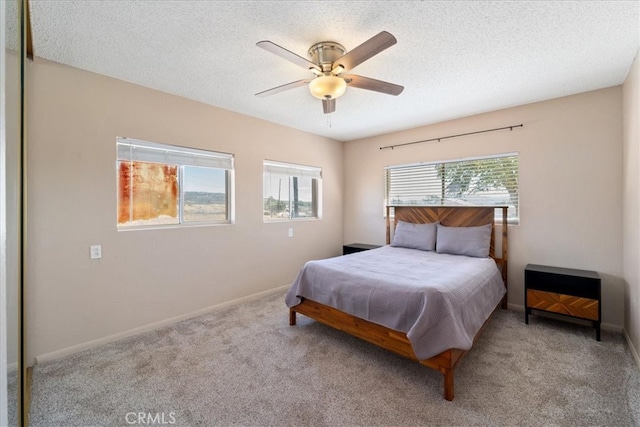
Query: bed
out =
(433, 323)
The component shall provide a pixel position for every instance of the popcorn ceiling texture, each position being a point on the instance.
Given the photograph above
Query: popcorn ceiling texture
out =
(244, 365)
(455, 59)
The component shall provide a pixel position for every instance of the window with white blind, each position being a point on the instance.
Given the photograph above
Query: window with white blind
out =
(162, 184)
(486, 181)
(290, 191)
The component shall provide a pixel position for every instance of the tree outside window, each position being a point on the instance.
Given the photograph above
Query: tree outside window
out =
(290, 191)
(491, 181)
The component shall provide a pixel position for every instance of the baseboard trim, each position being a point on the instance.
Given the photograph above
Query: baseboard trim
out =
(634, 352)
(46, 357)
(515, 307)
(604, 326)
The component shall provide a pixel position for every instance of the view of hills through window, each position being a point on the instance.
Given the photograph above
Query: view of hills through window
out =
(149, 194)
(160, 184)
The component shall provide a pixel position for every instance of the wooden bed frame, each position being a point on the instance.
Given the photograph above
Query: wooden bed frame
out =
(397, 341)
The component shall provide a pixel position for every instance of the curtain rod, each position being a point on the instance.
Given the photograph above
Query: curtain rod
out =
(451, 136)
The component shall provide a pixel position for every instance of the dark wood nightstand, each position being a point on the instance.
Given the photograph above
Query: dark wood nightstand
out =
(565, 291)
(357, 247)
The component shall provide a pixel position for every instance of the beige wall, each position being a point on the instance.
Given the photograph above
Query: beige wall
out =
(631, 208)
(570, 184)
(148, 276)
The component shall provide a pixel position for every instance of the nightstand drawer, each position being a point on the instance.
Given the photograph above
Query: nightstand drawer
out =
(580, 286)
(585, 308)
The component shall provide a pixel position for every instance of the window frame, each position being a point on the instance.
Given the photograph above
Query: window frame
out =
(441, 184)
(294, 170)
(181, 157)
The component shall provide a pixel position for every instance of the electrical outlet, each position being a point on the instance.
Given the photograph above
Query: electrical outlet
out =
(96, 251)
(291, 232)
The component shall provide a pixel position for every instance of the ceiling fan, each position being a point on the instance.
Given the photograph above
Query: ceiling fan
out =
(329, 60)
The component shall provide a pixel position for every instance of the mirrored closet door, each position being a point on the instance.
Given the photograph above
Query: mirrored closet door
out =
(11, 72)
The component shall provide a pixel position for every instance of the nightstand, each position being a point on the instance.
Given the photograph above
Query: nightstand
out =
(565, 291)
(357, 247)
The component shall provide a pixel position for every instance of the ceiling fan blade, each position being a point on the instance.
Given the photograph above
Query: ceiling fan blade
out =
(329, 105)
(366, 50)
(372, 84)
(282, 88)
(287, 54)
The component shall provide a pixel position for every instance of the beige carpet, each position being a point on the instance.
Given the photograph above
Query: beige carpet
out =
(245, 365)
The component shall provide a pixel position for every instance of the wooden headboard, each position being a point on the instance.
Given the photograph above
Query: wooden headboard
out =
(456, 216)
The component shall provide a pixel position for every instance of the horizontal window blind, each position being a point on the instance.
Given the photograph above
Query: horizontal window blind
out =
(488, 181)
(143, 151)
(292, 170)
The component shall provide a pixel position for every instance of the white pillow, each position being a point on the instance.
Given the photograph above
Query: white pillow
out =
(470, 241)
(415, 236)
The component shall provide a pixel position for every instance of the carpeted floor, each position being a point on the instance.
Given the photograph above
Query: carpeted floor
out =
(245, 365)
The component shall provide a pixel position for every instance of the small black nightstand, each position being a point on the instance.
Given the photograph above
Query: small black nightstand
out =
(573, 293)
(357, 247)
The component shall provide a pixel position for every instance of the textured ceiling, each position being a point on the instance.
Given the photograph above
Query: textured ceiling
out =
(454, 58)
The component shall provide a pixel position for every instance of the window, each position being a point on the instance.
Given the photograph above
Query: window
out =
(489, 181)
(168, 185)
(291, 191)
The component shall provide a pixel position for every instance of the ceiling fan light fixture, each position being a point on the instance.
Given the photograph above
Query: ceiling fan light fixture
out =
(327, 87)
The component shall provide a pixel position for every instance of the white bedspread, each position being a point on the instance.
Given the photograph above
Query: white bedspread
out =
(440, 301)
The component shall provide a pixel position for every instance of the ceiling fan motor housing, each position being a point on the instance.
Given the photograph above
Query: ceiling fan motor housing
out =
(325, 53)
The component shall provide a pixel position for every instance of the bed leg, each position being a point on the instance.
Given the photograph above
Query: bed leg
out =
(448, 383)
(292, 317)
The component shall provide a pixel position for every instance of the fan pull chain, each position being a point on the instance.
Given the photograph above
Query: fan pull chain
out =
(328, 119)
